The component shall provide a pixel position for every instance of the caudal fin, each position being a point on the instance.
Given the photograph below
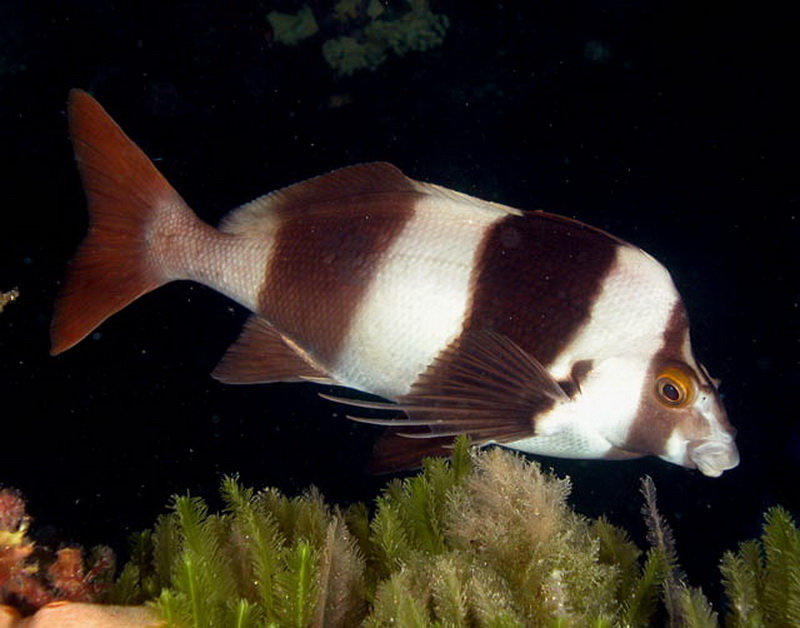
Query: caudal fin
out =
(126, 195)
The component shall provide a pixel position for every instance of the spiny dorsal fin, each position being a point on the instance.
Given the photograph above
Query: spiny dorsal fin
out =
(261, 354)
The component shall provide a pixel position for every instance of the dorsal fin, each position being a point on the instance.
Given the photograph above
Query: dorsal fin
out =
(329, 191)
(323, 191)
(261, 354)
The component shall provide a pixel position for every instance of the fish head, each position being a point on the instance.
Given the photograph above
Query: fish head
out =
(678, 415)
(682, 419)
(684, 396)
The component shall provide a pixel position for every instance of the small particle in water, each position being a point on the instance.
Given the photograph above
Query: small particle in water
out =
(596, 52)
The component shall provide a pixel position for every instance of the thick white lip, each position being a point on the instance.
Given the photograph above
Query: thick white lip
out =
(712, 457)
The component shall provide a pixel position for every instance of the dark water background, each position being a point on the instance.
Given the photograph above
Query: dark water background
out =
(668, 124)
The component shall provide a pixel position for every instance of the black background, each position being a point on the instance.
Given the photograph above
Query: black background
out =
(668, 124)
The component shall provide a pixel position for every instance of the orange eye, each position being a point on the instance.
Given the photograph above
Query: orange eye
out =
(674, 387)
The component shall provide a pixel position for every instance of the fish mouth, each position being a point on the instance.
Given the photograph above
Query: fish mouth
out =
(712, 457)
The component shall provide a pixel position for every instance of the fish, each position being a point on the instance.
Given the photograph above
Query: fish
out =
(446, 314)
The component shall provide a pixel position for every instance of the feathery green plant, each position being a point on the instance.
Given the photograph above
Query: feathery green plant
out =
(762, 579)
(485, 539)
(685, 607)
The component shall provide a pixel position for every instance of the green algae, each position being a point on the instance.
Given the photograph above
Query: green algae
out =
(485, 539)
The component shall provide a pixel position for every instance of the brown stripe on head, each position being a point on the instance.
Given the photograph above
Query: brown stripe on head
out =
(654, 423)
(681, 417)
(537, 278)
(323, 262)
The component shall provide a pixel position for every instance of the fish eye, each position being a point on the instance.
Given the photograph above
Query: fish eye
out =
(674, 387)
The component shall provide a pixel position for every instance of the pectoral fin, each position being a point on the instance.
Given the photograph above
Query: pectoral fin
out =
(484, 386)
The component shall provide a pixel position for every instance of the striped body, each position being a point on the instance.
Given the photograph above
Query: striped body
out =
(528, 329)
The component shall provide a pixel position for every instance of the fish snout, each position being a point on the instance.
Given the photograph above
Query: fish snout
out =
(712, 457)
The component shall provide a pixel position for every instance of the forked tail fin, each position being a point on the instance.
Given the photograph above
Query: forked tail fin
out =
(126, 195)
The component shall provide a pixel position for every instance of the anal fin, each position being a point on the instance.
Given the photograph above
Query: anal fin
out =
(261, 355)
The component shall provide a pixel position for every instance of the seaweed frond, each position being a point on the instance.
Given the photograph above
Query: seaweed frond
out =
(781, 541)
(201, 589)
(616, 548)
(259, 543)
(742, 575)
(297, 584)
(659, 534)
(341, 593)
(684, 606)
(696, 612)
(394, 606)
(642, 601)
(511, 519)
(762, 579)
(410, 514)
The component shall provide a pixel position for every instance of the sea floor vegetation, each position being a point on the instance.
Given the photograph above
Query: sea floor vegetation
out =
(484, 539)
